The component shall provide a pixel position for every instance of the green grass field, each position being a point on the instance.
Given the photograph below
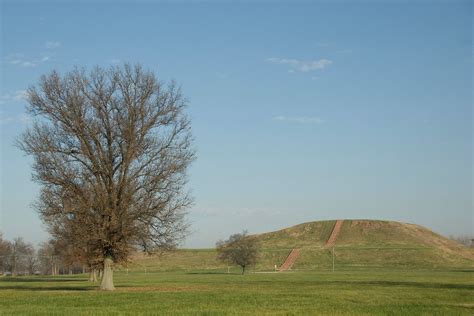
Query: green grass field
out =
(382, 268)
(214, 292)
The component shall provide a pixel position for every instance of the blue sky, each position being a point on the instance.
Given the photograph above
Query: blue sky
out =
(301, 111)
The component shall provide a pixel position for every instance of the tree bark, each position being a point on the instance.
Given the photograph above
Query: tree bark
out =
(93, 275)
(14, 265)
(107, 283)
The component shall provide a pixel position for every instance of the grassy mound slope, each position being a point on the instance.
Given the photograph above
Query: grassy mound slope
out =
(361, 243)
(364, 243)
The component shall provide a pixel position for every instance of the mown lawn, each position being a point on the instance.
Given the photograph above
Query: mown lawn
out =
(216, 293)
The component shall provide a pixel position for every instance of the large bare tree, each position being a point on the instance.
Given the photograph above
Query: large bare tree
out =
(111, 149)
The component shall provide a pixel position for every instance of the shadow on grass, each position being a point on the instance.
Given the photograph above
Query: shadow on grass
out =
(461, 270)
(46, 288)
(21, 279)
(217, 273)
(424, 285)
(20, 283)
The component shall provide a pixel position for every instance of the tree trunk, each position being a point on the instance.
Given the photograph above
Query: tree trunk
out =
(243, 269)
(14, 266)
(93, 275)
(107, 283)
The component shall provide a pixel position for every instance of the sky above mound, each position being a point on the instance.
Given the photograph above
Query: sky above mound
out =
(300, 112)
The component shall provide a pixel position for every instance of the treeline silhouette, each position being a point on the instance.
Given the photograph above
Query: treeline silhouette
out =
(18, 257)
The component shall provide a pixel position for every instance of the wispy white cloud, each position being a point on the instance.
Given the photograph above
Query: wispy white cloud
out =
(23, 119)
(52, 45)
(322, 44)
(255, 211)
(28, 64)
(225, 211)
(16, 96)
(22, 61)
(5, 119)
(301, 65)
(344, 51)
(114, 61)
(299, 119)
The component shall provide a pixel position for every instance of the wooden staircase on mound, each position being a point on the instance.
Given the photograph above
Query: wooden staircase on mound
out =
(335, 232)
(290, 260)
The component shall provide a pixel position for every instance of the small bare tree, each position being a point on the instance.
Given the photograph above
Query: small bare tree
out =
(239, 249)
(46, 256)
(111, 151)
(31, 260)
(20, 252)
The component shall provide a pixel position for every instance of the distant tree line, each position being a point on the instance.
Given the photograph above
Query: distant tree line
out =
(465, 240)
(18, 257)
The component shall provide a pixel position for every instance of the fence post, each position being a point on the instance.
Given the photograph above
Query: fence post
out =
(333, 259)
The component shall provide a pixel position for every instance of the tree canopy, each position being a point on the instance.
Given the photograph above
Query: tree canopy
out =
(240, 249)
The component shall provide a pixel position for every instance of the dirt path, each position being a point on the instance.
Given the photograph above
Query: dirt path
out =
(335, 233)
(290, 260)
